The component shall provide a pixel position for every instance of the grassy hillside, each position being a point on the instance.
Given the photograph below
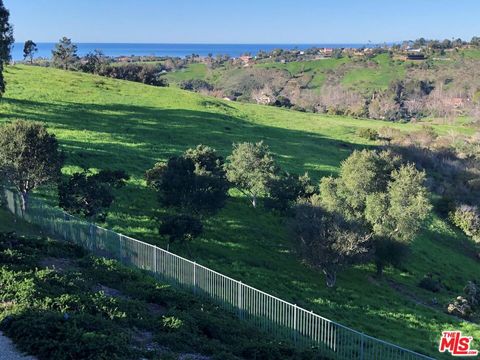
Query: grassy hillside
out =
(107, 123)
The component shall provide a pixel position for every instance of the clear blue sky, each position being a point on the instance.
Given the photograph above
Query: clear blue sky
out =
(243, 21)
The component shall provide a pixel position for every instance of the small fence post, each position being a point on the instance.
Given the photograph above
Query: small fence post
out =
(295, 323)
(362, 343)
(155, 261)
(194, 277)
(240, 300)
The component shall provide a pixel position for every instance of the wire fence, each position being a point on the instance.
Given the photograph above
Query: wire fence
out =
(276, 316)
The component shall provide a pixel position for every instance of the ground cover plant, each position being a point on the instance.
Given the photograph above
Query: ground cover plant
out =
(58, 302)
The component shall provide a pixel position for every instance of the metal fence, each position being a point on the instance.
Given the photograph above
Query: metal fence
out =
(276, 316)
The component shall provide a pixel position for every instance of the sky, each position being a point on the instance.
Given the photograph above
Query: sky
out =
(243, 21)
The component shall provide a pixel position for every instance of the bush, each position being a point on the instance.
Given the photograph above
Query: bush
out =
(430, 284)
(467, 218)
(195, 85)
(367, 133)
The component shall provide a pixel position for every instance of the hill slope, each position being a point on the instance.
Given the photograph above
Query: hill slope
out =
(107, 123)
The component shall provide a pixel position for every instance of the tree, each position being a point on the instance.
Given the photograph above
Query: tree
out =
(29, 157)
(65, 53)
(327, 241)
(90, 195)
(29, 49)
(250, 168)
(389, 198)
(194, 182)
(286, 189)
(6, 42)
(180, 228)
(94, 62)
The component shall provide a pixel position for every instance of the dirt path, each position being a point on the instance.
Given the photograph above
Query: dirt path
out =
(8, 351)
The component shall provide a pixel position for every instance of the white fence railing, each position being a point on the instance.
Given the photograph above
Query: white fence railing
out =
(276, 316)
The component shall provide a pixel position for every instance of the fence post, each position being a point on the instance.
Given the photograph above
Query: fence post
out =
(194, 277)
(155, 261)
(362, 343)
(295, 323)
(240, 300)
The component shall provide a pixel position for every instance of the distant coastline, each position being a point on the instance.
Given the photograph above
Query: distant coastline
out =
(173, 50)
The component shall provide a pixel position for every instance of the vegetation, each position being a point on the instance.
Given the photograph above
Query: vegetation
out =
(90, 195)
(29, 50)
(65, 54)
(388, 197)
(104, 123)
(250, 168)
(57, 302)
(29, 157)
(6, 42)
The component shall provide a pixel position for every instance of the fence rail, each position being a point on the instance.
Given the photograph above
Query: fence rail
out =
(278, 317)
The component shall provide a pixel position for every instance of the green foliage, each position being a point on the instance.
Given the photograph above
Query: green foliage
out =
(180, 228)
(94, 62)
(467, 218)
(29, 156)
(65, 54)
(6, 42)
(195, 85)
(367, 133)
(326, 241)
(193, 182)
(90, 195)
(388, 198)
(286, 189)
(29, 49)
(251, 168)
(144, 73)
(62, 314)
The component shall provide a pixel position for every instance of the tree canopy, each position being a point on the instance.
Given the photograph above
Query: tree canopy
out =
(29, 156)
(250, 168)
(6, 42)
(65, 53)
(378, 190)
(90, 195)
(193, 182)
(29, 49)
(327, 241)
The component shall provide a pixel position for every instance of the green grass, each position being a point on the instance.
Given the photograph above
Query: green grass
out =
(192, 71)
(316, 69)
(377, 77)
(105, 123)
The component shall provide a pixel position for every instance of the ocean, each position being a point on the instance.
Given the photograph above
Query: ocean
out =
(174, 50)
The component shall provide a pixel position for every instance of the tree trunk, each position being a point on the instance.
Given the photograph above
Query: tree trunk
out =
(330, 278)
(24, 197)
(379, 266)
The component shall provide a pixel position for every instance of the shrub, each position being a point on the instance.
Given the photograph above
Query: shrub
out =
(196, 85)
(367, 133)
(430, 284)
(467, 218)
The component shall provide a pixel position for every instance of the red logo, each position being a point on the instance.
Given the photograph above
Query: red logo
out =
(456, 344)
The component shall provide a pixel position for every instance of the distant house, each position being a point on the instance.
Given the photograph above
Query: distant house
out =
(327, 52)
(124, 59)
(246, 59)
